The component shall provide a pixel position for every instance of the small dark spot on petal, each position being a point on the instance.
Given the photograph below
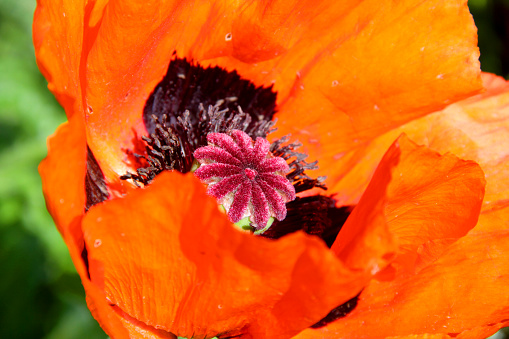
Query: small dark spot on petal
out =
(339, 312)
(84, 257)
(95, 185)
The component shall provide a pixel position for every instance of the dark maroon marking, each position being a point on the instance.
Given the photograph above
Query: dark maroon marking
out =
(338, 216)
(84, 257)
(339, 312)
(186, 86)
(96, 191)
(316, 215)
(95, 185)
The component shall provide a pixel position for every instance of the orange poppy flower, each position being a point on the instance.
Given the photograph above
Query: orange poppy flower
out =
(163, 260)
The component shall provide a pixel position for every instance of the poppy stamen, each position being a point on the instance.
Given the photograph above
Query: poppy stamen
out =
(245, 177)
(298, 165)
(193, 102)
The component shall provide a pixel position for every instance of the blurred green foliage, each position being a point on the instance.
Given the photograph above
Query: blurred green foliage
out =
(492, 21)
(40, 292)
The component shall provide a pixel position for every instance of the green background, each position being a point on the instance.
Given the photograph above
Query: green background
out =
(40, 293)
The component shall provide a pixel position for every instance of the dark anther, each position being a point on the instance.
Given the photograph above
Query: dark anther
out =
(301, 181)
(95, 185)
(339, 312)
(316, 215)
(163, 151)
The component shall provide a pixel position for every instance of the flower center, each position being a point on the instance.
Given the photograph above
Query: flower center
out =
(227, 168)
(250, 173)
(190, 104)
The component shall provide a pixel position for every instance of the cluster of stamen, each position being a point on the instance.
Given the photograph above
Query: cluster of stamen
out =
(298, 165)
(245, 177)
(171, 145)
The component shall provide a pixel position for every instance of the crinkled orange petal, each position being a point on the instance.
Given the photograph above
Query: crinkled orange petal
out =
(466, 285)
(421, 200)
(365, 242)
(463, 294)
(292, 43)
(58, 39)
(432, 200)
(473, 129)
(167, 257)
(422, 336)
(105, 57)
(63, 173)
(477, 129)
(63, 176)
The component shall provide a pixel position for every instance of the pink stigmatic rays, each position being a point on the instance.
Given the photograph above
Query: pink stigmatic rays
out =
(245, 177)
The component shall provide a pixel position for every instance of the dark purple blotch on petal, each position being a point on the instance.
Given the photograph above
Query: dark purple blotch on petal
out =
(339, 312)
(95, 184)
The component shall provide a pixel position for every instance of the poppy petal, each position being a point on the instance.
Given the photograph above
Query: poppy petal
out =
(65, 163)
(63, 179)
(348, 72)
(421, 199)
(473, 129)
(58, 41)
(432, 200)
(477, 129)
(464, 290)
(463, 295)
(364, 241)
(174, 269)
